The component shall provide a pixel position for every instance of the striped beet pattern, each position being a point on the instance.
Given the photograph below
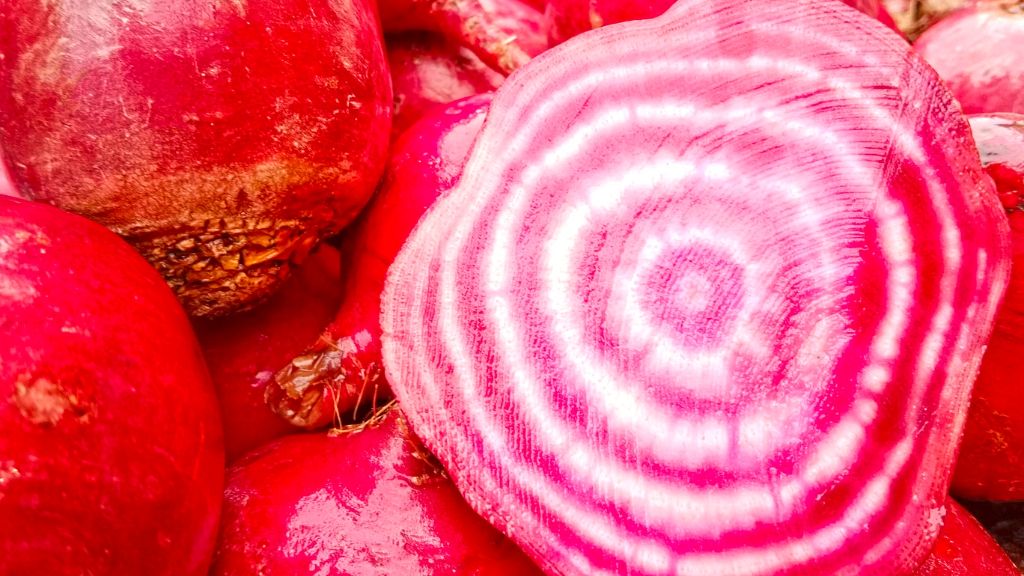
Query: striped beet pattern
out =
(708, 299)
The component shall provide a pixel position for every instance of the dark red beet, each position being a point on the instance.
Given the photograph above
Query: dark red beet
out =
(428, 71)
(342, 370)
(504, 34)
(111, 460)
(568, 18)
(222, 139)
(244, 350)
(991, 461)
(977, 51)
(366, 502)
(964, 548)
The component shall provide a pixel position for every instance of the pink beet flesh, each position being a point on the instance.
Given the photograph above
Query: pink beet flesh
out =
(964, 548)
(110, 443)
(364, 503)
(243, 351)
(504, 34)
(708, 298)
(991, 461)
(428, 71)
(977, 51)
(342, 370)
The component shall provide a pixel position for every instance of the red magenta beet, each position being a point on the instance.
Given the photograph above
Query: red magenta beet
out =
(428, 71)
(6, 185)
(222, 139)
(1005, 522)
(567, 18)
(342, 369)
(991, 461)
(366, 502)
(708, 298)
(110, 445)
(244, 350)
(504, 34)
(964, 548)
(977, 51)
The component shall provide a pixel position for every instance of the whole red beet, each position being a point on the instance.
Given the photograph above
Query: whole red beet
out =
(111, 460)
(367, 502)
(429, 71)
(223, 139)
(964, 548)
(977, 51)
(342, 369)
(991, 461)
(244, 350)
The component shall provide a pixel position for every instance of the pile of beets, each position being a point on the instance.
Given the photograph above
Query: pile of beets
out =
(512, 287)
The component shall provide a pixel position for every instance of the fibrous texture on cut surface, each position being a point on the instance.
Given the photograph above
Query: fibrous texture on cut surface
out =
(708, 298)
(223, 139)
(366, 502)
(977, 51)
(111, 460)
(964, 548)
(341, 371)
(991, 461)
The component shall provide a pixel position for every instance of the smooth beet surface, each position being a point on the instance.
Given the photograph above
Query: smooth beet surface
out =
(361, 503)
(244, 350)
(977, 51)
(341, 371)
(6, 184)
(708, 298)
(991, 461)
(111, 459)
(964, 548)
(222, 139)
(429, 71)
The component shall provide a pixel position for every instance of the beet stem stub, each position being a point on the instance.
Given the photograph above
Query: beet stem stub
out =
(708, 298)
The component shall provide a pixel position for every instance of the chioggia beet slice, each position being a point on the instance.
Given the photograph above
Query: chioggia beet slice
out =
(367, 502)
(977, 51)
(244, 351)
(991, 461)
(223, 139)
(341, 371)
(504, 34)
(708, 298)
(111, 459)
(428, 71)
(567, 18)
(964, 548)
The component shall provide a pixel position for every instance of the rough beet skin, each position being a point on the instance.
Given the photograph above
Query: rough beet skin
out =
(222, 139)
(110, 444)
(366, 502)
(342, 369)
(244, 350)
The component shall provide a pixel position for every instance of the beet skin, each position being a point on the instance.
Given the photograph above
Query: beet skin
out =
(111, 459)
(368, 502)
(222, 139)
